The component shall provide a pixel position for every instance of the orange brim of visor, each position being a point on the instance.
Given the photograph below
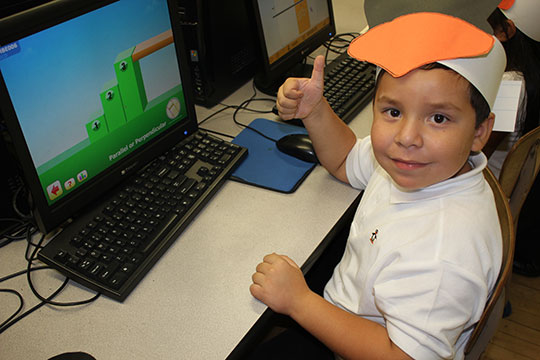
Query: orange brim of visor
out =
(506, 4)
(413, 40)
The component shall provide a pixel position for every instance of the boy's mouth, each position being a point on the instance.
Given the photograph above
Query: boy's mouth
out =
(407, 164)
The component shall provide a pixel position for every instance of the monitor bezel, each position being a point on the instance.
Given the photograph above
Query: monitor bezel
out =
(271, 75)
(49, 217)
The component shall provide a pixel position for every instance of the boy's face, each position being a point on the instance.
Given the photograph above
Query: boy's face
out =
(424, 127)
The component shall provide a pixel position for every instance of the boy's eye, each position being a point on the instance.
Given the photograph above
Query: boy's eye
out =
(439, 118)
(393, 112)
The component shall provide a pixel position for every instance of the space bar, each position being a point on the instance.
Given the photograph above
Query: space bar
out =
(157, 237)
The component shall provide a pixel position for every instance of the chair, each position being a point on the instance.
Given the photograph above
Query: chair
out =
(519, 170)
(487, 325)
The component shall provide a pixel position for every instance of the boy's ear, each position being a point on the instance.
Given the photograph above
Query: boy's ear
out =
(482, 133)
(505, 34)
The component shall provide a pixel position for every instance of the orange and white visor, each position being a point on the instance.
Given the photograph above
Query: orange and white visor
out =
(413, 40)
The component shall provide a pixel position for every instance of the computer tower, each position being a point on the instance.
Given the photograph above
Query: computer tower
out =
(220, 41)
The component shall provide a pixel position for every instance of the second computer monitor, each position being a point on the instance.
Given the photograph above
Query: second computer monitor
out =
(288, 32)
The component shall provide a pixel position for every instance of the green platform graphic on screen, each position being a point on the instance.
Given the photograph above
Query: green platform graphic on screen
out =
(127, 121)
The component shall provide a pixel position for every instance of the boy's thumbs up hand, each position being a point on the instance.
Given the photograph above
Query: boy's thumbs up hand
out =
(297, 97)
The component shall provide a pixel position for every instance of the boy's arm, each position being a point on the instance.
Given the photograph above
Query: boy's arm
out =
(279, 283)
(332, 138)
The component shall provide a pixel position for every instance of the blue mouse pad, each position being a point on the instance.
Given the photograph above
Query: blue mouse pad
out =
(266, 166)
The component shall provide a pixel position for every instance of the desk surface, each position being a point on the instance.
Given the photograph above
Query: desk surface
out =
(195, 302)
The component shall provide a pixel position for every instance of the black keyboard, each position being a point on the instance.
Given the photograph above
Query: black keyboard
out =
(112, 247)
(348, 85)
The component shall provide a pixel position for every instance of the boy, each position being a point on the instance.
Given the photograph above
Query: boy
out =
(424, 249)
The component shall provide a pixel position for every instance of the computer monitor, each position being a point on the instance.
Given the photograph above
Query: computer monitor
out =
(288, 32)
(12, 7)
(91, 91)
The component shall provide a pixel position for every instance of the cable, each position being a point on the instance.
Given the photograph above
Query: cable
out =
(29, 311)
(21, 304)
(48, 300)
(241, 106)
(215, 113)
(30, 243)
(12, 320)
(16, 208)
(12, 232)
(22, 272)
(237, 108)
(338, 49)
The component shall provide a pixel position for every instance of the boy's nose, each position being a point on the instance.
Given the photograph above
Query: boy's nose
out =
(409, 132)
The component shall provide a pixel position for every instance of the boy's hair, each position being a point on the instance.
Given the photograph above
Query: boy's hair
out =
(478, 102)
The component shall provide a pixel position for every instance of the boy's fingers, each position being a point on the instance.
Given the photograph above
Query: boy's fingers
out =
(262, 267)
(291, 88)
(257, 278)
(290, 261)
(271, 258)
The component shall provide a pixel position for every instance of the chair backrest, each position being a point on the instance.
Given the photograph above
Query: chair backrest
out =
(519, 170)
(487, 325)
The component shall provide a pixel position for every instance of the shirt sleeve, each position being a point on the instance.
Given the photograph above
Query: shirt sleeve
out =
(360, 163)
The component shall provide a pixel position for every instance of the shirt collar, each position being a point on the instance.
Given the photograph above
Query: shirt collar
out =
(456, 184)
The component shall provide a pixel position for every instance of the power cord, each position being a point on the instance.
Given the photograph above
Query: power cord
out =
(29, 230)
(243, 106)
(13, 319)
(48, 300)
(343, 40)
(14, 232)
(237, 108)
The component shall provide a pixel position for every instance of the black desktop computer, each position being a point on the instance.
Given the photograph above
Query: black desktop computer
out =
(221, 46)
(11, 7)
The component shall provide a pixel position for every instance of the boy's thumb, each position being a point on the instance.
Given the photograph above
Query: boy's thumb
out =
(317, 76)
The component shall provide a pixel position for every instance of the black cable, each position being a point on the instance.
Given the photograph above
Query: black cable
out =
(338, 49)
(12, 320)
(48, 300)
(22, 272)
(225, 107)
(29, 243)
(21, 304)
(215, 113)
(16, 208)
(29, 311)
(13, 232)
(241, 106)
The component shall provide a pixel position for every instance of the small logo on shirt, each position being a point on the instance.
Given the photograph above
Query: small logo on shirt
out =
(374, 236)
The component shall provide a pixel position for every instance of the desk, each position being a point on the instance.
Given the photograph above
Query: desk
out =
(195, 302)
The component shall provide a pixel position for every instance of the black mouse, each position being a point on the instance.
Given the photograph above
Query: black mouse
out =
(299, 146)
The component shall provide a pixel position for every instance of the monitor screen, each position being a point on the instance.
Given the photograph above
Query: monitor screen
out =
(289, 31)
(88, 96)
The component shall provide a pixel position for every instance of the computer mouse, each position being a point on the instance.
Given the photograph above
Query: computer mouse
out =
(299, 146)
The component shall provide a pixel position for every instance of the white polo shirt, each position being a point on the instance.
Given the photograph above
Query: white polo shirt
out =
(421, 263)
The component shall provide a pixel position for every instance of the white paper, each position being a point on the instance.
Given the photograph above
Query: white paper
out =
(506, 105)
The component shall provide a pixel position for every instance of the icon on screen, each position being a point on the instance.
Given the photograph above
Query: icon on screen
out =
(82, 176)
(173, 108)
(54, 190)
(69, 184)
